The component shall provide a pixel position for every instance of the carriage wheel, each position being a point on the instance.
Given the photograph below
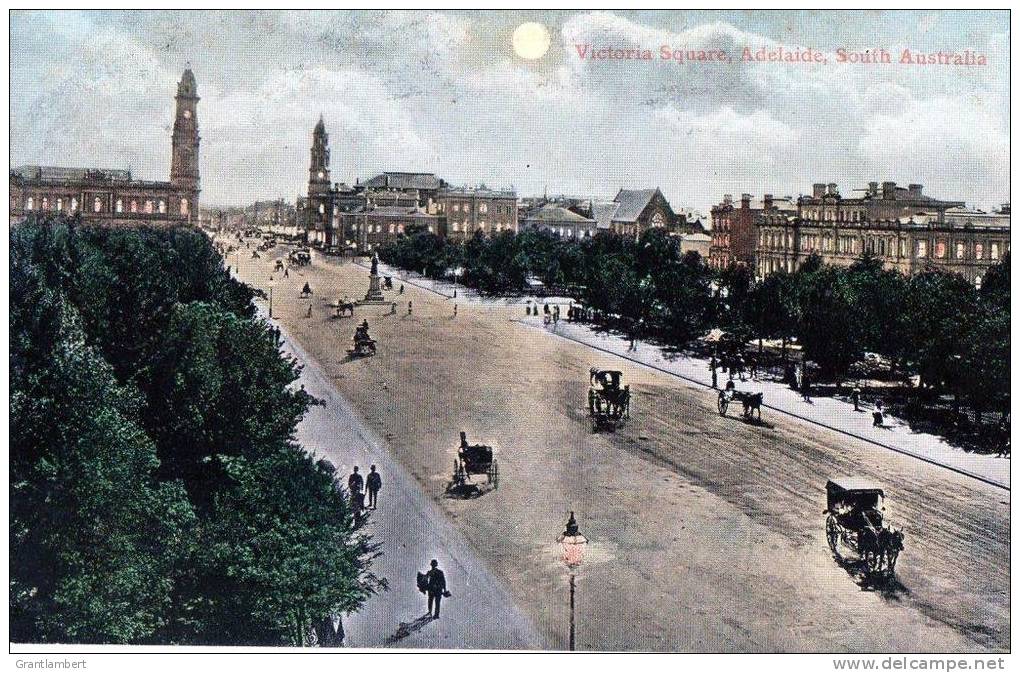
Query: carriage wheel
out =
(494, 474)
(832, 534)
(723, 403)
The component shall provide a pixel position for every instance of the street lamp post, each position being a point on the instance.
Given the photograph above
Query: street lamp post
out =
(271, 283)
(573, 553)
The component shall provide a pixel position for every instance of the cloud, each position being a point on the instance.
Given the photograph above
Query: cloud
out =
(443, 92)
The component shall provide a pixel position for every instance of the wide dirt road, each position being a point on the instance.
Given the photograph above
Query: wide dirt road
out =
(706, 533)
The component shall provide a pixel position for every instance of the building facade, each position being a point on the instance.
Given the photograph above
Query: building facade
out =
(466, 211)
(560, 221)
(111, 196)
(634, 211)
(905, 229)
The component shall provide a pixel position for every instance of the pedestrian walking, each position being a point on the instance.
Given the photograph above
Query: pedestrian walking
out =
(715, 376)
(878, 416)
(355, 482)
(454, 310)
(435, 587)
(408, 308)
(855, 397)
(374, 483)
(309, 315)
(286, 272)
(393, 309)
(455, 294)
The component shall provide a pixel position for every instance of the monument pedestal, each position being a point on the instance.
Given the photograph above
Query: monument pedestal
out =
(374, 294)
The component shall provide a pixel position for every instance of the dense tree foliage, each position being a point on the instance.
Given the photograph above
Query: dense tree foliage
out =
(157, 492)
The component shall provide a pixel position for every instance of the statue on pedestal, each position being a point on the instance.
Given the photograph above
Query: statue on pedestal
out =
(375, 264)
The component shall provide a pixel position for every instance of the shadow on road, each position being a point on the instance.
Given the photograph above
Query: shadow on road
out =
(405, 629)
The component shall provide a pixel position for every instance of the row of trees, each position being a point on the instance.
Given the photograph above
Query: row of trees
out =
(157, 494)
(933, 323)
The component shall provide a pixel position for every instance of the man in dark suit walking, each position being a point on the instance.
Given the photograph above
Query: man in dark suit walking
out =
(436, 588)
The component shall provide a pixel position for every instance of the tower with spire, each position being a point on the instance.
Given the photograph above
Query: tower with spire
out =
(184, 156)
(318, 171)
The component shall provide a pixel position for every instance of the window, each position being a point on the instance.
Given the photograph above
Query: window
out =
(922, 249)
(481, 225)
(60, 204)
(97, 205)
(74, 205)
(120, 206)
(134, 206)
(148, 207)
(30, 204)
(162, 206)
(393, 228)
(977, 282)
(45, 203)
(456, 207)
(483, 208)
(995, 251)
(959, 250)
(431, 229)
(979, 251)
(322, 209)
(940, 249)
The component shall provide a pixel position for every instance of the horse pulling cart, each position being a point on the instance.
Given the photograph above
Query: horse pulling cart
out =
(363, 344)
(472, 460)
(751, 401)
(608, 400)
(855, 522)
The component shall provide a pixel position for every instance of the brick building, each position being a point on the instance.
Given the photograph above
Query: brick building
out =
(905, 228)
(735, 228)
(465, 211)
(114, 196)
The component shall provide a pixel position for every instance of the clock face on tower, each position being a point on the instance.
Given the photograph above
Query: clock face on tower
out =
(321, 174)
(187, 114)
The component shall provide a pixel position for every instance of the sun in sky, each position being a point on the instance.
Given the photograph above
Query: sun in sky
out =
(531, 40)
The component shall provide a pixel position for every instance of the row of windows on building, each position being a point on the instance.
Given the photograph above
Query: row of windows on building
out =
(466, 226)
(833, 215)
(879, 246)
(483, 208)
(148, 207)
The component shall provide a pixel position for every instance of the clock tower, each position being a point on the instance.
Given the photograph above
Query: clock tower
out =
(318, 172)
(184, 155)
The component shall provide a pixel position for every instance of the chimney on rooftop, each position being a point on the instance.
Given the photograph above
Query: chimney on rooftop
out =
(745, 201)
(833, 189)
(888, 191)
(915, 190)
(818, 190)
(727, 199)
(767, 198)
(872, 189)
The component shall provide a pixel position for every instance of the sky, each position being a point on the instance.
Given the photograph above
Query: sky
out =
(445, 92)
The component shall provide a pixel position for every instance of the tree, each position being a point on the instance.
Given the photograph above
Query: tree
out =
(773, 311)
(828, 330)
(94, 537)
(937, 312)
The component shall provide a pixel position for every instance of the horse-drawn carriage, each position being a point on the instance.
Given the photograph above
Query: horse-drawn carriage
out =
(300, 257)
(473, 459)
(751, 401)
(363, 344)
(855, 522)
(608, 400)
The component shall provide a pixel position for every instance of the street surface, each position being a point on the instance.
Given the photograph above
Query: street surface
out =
(706, 532)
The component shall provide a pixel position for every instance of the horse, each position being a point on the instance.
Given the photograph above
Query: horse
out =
(891, 544)
(344, 307)
(869, 547)
(752, 405)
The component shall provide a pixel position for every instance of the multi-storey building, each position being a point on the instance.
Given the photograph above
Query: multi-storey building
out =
(113, 196)
(904, 228)
(468, 210)
(735, 228)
